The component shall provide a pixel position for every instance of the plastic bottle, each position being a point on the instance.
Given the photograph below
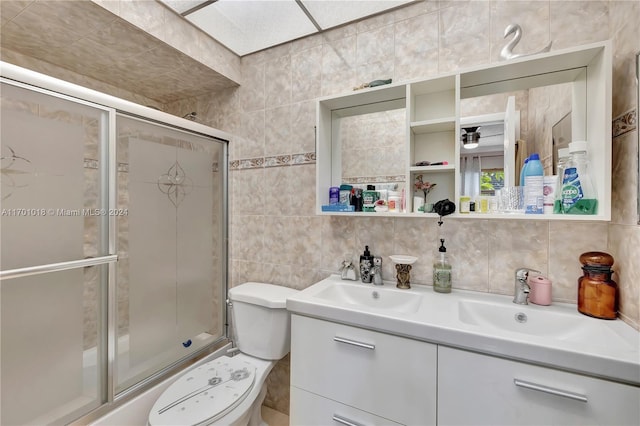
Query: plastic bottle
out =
(533, 186)
(563, 158)
(578, 192)
(366, 266)
(523, 170)
(442, 271)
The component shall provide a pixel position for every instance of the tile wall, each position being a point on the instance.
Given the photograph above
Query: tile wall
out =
(276, 236)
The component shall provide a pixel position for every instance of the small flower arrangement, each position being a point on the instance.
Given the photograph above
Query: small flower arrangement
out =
(426, 187)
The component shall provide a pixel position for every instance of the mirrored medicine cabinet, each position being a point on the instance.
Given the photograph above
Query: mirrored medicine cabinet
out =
(383, 136)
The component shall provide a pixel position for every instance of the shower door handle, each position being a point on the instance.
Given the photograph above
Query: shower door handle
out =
(55, 267)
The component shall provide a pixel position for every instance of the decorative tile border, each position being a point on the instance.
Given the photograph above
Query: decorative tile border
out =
(372, 179)
(624, 123)
(90, 163)
(273, 161)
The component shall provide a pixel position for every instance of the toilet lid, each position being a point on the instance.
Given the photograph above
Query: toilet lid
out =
(205, 393)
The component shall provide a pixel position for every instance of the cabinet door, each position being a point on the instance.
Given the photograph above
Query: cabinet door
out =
(312, 410)
(389, 376)
(484, 390)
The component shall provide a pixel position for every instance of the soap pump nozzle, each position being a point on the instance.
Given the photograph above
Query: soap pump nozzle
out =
(442, 248)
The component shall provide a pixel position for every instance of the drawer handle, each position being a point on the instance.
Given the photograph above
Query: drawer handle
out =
(549, 390)
(345, 421)
(354, 343)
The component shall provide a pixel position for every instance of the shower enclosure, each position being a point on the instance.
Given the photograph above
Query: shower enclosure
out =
(113, 247)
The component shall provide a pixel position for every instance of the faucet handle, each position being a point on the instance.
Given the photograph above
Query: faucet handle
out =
(523, 273)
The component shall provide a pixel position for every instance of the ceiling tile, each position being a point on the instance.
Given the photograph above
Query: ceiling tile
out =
(247, 26)
(331, 13)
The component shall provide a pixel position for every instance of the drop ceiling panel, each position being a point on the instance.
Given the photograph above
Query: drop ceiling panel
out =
(250, 25)
(247, 26)
(331, 13)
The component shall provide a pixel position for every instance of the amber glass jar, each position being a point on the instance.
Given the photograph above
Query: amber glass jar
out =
(597, 292)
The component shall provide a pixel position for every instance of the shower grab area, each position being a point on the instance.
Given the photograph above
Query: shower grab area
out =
(113, 247)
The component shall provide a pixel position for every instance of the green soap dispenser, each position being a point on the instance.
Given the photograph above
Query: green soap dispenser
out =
(442, 271)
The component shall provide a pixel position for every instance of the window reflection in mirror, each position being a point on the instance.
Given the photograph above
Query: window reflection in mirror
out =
(537, 110)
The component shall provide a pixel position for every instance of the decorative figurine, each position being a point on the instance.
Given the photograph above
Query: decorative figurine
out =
(507, 51)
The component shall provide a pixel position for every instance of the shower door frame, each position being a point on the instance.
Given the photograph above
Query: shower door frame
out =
(31, 80)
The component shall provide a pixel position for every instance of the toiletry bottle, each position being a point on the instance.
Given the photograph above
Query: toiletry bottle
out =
(356, 199)
(578, 192)
(523, 171)
(334, 195)
(533, 186)
(377, 270)
(366, 266)
(369, 198)
(442, 271)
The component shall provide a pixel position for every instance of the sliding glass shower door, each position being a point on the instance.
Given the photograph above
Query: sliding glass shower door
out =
(170, 256)
(51, 311)
(113, 251)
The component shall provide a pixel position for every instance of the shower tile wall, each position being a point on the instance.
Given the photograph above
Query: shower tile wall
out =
(275, 234)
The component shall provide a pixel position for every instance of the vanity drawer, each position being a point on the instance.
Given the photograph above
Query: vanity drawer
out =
(313, 410)
(485, 390)
(389, 376)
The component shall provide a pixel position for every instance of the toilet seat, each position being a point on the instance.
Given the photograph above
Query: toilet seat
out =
(205, 394)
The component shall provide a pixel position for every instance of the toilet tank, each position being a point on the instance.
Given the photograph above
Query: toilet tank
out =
(260, 319)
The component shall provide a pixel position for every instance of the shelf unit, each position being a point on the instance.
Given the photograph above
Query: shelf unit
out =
(433, 123)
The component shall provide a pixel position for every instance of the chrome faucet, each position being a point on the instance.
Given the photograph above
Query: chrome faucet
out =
(521, 287)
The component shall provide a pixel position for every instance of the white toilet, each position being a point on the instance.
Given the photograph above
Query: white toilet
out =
(230, 390)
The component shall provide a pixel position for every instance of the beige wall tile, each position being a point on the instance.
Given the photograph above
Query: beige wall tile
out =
(625, 36)
(567, 241)
(303, 121)
(252, 91)
(277, 130)
(252, 129)
(339, 66)
(624, 187)
(416, 47)
(464, 35)
(515, 244)
(624, 246)
(306, 74)
(578, 22)
(278, 82)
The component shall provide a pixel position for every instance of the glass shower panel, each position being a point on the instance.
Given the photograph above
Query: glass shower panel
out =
(170, 247)
(50, 323)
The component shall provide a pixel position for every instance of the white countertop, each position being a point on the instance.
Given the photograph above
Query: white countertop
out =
(554, 336)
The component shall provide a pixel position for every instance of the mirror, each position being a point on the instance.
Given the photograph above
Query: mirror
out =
(638, 127)
(541, 121)
(368, 144)
(373, 146)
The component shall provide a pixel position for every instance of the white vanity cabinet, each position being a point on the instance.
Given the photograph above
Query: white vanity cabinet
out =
(484, 390)
(348, 375)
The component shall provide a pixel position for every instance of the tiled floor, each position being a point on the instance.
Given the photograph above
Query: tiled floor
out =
(274, 418)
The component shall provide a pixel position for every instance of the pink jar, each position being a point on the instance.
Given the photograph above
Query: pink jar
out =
(540, 292)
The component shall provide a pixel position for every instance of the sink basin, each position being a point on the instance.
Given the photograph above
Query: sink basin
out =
(521, 319)
(368, 296)
(548, 322)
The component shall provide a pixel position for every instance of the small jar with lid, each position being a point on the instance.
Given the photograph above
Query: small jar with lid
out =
(597, 292)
